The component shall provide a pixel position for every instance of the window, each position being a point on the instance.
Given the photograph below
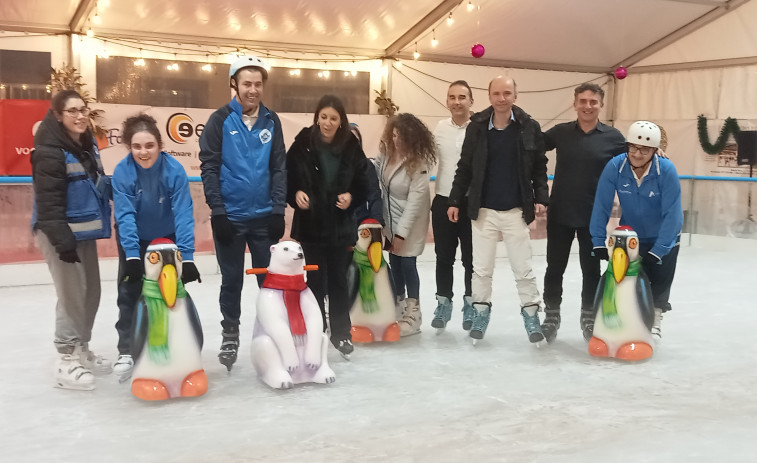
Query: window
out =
(24, 74)
(290, 92)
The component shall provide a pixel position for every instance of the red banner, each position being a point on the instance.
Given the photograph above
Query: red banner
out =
(18, 122)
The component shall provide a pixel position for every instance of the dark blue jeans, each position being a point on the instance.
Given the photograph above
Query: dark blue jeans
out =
(128, 295)
(661, 276)
(405, 275)
(253, 234)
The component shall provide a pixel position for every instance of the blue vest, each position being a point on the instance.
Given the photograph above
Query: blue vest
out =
(87, 202)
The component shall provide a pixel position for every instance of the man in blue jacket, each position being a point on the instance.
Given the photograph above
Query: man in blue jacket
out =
(650, 198)
(243, 165)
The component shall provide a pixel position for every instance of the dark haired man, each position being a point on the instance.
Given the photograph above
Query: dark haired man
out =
(583, 146)
(449, 135)
(243, 165)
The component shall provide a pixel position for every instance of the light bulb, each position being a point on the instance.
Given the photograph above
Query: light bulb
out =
(450, 20)
(470, 5)
(416, 55)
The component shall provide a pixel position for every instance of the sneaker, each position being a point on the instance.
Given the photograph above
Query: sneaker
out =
(93, 362)
(656, 328)
(411, 320)
(469, 313)
(229, 347)
(344, 347)
(481, 320)
(551, 322)
(443, 312)
(587, 322)
(533, 328)
(71, 374)
(123, 365)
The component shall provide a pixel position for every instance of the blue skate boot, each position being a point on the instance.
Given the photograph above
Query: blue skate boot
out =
(531, 322)
(442, 314)
(469, 313)
(482, 311)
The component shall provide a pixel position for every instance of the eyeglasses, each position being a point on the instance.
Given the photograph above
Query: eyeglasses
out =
(645, 150)
(74, 112)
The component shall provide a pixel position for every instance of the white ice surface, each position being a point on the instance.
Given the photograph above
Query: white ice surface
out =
(426, 398)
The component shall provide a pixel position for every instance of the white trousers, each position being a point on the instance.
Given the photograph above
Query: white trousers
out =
(485, 233)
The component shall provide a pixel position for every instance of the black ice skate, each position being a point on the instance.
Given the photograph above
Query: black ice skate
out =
(229, 347)
(551, 322)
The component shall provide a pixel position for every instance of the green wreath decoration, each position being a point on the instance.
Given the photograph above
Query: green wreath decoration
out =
(731, 127)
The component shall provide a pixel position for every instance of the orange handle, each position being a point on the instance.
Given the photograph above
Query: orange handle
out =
(310, 268)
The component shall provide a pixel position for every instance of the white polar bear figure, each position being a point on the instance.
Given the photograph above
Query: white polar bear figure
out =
(288, 343)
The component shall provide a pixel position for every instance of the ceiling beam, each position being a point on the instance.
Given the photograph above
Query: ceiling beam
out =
(83, 10)
(708, 64)
(683, 31)
(701, 2)
(469, 60)
(442, 10)
(235, 43)
(31, 28)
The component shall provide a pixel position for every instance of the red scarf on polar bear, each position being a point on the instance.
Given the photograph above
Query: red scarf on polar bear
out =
(291, 286)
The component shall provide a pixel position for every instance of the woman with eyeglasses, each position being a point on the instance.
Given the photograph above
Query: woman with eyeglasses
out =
(71, 210)
(151, 199)
(650, 199)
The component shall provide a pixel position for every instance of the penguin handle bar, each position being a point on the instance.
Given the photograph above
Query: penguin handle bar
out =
(262, 270)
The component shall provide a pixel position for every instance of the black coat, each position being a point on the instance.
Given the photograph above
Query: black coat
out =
(324, 223)
(50, 179)
(532, 164)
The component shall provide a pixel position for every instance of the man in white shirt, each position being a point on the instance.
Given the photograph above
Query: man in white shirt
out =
(449, 135)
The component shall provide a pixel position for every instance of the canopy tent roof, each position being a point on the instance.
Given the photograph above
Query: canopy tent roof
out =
(580, 35)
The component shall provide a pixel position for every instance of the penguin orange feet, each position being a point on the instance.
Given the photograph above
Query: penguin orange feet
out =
(149, 389)
(195, 384)
(392, 333)
(634, 351)
(361, 334)
(598, 348)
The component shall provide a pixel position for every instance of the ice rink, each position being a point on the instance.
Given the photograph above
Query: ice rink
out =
(427, 398)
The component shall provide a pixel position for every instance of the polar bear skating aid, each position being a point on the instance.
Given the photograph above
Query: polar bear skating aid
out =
(288, 343)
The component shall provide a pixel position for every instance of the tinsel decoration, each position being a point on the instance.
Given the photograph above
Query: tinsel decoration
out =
(731, 127)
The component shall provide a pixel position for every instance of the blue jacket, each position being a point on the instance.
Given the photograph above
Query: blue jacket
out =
(71, 191)
(243, 171)
(653, 209)
(153, 203)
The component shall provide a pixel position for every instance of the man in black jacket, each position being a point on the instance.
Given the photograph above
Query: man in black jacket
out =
(583, 148)
(504, 171)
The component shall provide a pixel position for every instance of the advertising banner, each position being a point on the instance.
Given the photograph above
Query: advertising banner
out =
(18, 122)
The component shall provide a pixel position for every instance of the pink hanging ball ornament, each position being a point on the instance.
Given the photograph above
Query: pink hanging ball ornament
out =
(477, 50)
(621, 73)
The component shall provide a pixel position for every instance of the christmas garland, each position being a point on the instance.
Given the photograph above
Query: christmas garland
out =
(731, 127)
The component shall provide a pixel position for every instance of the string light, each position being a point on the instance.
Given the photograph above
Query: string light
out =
(90, 32)
(416, 55)
(470, 5)
(139, 61)
(434, 42)
(450, 19)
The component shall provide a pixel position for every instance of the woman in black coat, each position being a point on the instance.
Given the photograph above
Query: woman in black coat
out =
(325, 170)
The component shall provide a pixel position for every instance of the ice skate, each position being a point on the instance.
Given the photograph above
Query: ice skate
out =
(551, 322)
(123, 367)
(442, 314)
(469, 313)
(411, 320)
(229, 347)
(97, 364)
(656, 326)
(482, 312)
(531, 322)
(587, 322)
(345, 348)
(71, 374)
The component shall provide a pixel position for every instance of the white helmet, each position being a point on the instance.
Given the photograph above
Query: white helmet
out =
(644, 133)
(249, 61)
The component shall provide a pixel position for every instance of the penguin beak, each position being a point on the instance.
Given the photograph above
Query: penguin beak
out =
(167, 283)
(619, 264)
(374, 255)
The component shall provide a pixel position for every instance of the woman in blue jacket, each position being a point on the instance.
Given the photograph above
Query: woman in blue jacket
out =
(71, 211)
(650, 198)
(151, 200)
